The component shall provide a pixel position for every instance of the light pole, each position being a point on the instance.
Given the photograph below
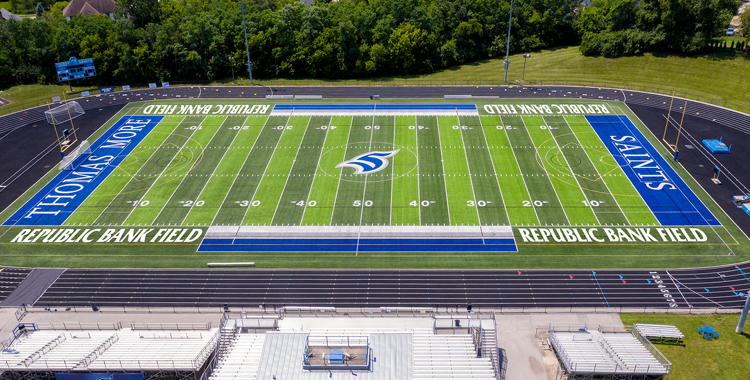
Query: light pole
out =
(247, 48)
(507, 48)
(524, 66)
(231, 64)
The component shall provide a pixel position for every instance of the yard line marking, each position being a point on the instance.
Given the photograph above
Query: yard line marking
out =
(320, 155)
(393, 145)
(240, 170)
(419, 189)
(525, 185)
(132, 177)
(442, 167)
(252, 199)
(468, 167)
(212, 174)
(364, 190)
(536, 151)
(291, 167)
(338, 184)
(597, 171)
(575, 177)
(185, 176)
(623, 173)
(674, 282)
(492, 162)
(100, 183)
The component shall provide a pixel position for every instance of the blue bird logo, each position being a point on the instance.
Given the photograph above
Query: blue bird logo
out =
(368, 163)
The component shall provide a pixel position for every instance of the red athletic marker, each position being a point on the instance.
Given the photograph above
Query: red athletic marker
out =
(731, 287)
(519, 272)
(571, 277)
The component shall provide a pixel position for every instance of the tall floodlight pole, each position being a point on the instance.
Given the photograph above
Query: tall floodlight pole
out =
(743, 316)
(247, 47)
(507, 48)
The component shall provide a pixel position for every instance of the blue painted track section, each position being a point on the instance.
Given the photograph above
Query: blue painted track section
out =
(52, 205)
(373, 107)
(358, 245)
(666, 194)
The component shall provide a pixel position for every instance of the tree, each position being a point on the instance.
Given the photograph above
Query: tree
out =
(142, 12)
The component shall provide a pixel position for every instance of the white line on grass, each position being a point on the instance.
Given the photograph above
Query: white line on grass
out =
(515, 159)
(497, 178)
(184, 176)
(315, 172)
(468, 167)
(597, 170)
(341, 172)
(442, 167)
(252, 198)
(100, 183)
(240, 170)
(623, 173)
(212, 173)
(393, 172)
(364, 189)
(281, 196)
(575, 177)
(132, 177)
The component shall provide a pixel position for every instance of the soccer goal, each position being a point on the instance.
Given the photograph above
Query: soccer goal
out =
(63, 113)
(67, 161)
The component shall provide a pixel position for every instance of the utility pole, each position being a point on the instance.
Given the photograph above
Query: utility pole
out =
(507, 47)
(247, 47)
(523, 76)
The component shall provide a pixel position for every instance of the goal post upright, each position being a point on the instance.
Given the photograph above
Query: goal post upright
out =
(669, 114)
(57, 135)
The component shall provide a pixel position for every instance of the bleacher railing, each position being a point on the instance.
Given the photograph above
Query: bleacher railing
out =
(171, 326)
(653, 350)
(337, 342)
(99, 350)
(78, 326)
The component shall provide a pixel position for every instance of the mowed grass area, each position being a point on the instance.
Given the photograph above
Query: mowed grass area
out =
(725, 358)
(719, 74)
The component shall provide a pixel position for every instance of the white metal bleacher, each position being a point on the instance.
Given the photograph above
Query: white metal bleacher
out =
(593, 352)
(242, 358)
(663, 332)
(56, 350)
(447, 357)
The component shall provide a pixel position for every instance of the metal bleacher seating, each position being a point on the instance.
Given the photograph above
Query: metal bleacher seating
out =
(242, 358)
(447, 357)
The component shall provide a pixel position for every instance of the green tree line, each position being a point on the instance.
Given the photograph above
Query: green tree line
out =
(184, 40)
(627, 27)
(189, 40)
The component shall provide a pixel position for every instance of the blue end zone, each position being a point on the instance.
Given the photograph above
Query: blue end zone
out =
(361, 245)
(665, 193)
(716, 146)
(52, 205)
(373, 107)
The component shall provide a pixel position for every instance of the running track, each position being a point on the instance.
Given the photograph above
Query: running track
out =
(717, 287)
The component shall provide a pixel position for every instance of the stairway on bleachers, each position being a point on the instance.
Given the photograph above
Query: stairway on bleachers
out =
(241, 358)
(448, 357)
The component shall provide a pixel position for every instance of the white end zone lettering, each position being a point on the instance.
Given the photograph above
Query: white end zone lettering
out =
(612, 235)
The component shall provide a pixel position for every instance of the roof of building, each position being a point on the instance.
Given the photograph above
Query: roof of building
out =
(87, 7)
(6, 15)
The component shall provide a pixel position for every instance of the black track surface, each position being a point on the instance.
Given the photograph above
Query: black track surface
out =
(10, 278)
(705, 287)
(717, 287)
(28, 152)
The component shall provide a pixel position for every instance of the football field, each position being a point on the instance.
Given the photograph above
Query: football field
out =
(247, 175)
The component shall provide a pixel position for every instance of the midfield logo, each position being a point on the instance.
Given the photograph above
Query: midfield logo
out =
(369, 162)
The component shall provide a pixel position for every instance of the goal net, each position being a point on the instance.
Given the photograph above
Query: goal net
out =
(67, 161)
(63, 113)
